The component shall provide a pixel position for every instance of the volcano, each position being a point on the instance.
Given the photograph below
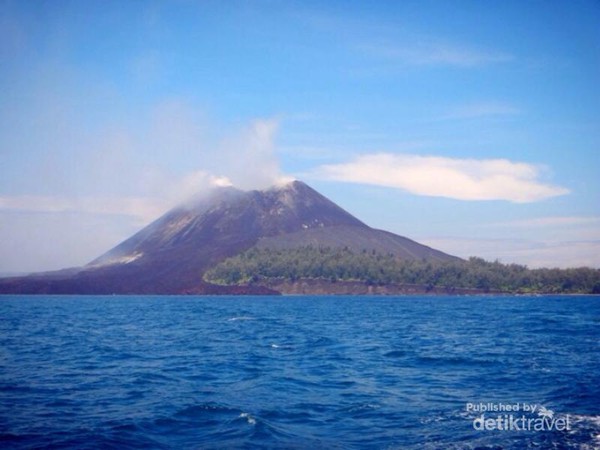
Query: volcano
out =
(170, 255)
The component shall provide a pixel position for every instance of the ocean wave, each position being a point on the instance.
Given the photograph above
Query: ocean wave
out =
(308, 372)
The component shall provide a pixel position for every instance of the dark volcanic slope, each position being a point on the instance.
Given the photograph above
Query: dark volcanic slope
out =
(171, 254)
(230, 218)
(356, 239)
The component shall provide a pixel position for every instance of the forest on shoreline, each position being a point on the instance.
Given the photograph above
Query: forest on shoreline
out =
(372, 268)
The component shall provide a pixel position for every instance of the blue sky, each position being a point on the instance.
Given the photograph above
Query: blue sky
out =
(473, 127)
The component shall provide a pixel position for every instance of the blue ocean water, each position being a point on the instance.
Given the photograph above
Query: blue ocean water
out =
(295, 372)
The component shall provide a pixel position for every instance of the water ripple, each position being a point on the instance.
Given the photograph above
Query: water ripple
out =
(298, 372)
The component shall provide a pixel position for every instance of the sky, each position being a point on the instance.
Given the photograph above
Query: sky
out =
(469, 126)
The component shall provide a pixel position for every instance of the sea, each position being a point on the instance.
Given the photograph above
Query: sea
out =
(305, 372)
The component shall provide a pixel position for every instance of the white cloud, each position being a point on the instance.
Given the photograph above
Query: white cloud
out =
(143, 209)
(462, 179)
(248, 158)
(553, 221)
(482, 109)
(78, 180)
(386, 40)
(33, 242)
(435, 53)
(533, 253)
(74, 165)
(562, 254)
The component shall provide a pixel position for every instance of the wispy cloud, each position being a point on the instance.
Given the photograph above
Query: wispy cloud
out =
(482, 109)
(248, 158)
(435, 53)
(386, 40)
(533, 253)
(554, 221)
(73, 161)
(462, 179)
(143, 209)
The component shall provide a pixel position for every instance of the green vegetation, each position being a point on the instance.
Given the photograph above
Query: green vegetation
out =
(370, 267)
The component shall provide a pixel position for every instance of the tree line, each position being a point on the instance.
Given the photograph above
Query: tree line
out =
(374, 268)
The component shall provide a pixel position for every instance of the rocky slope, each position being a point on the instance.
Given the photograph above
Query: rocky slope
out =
(170, 255)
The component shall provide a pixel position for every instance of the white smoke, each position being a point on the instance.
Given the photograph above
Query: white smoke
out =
(110, 179)
(248, 159)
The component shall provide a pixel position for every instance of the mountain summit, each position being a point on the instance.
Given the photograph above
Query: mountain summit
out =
(170, 255)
